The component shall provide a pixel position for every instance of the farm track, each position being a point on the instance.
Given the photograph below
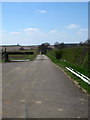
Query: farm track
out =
(39, 89)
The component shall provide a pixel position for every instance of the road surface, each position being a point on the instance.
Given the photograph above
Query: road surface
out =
(39, 89)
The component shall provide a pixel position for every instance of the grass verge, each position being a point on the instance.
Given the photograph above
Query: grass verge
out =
(64, 64)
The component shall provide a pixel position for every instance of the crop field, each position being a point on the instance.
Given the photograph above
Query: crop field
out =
(21, 55)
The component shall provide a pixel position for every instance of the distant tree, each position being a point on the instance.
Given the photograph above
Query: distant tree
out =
(59, 45)
(81, 43)
(56, 44)
(21, 48)
(43, 48)
(46, 44)
(62, 45)
(87, 41)
(18, 45)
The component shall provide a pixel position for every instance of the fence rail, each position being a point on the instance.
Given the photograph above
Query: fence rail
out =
(78, 74)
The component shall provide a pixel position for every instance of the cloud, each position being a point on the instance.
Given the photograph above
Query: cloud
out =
(31, 36)
(2, 31)
(82, 33)
(31, 29)
(53, 31)
(41, 11)
(14, 33)
(83, 30)
(73, 26)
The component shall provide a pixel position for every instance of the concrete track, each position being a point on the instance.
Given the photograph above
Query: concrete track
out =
(39, 89)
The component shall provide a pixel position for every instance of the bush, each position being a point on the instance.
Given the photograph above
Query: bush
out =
(58, 54)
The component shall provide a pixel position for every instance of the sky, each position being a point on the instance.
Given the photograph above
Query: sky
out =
(45, 0)
(34, 23)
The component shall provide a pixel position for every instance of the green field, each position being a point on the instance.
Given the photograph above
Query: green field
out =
(77, 58)
(24, 56)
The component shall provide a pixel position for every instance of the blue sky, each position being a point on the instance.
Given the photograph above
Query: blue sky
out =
(31, 23)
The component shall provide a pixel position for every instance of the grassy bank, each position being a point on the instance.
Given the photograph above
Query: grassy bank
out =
(77, 58)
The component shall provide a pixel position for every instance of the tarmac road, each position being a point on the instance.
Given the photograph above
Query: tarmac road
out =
(39, 89)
